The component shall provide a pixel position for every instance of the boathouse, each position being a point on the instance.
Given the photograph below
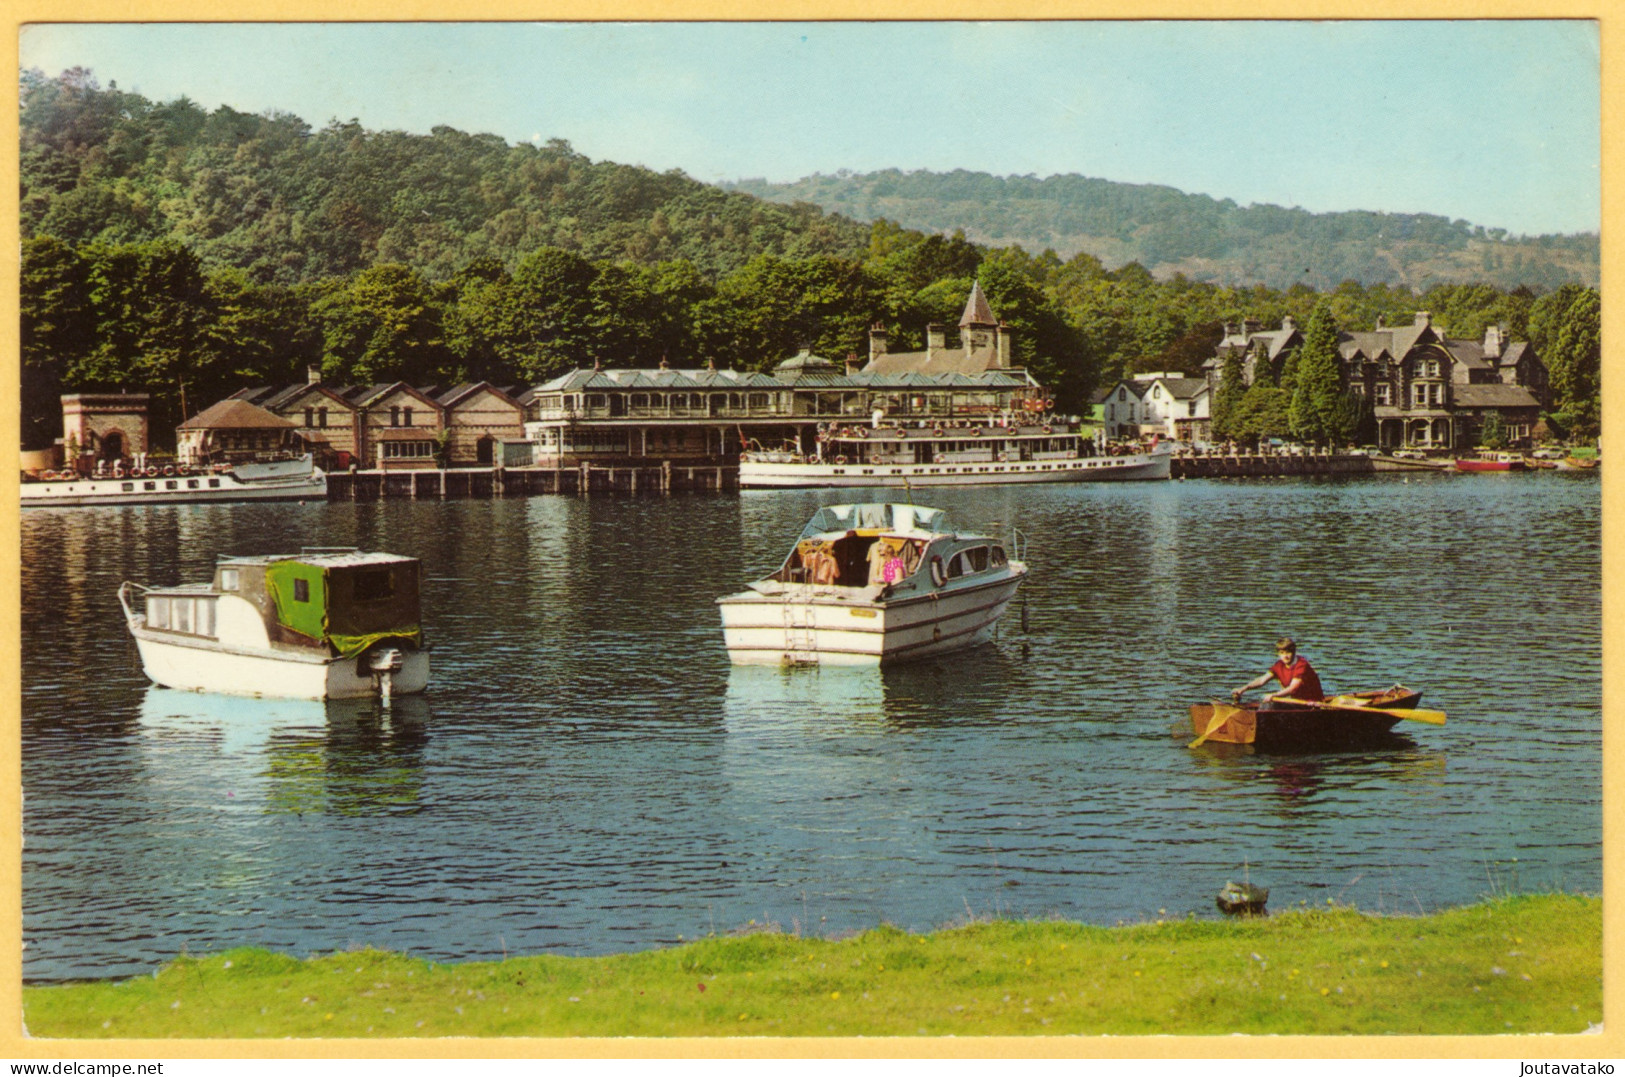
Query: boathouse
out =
(103, 426)
(233, 431)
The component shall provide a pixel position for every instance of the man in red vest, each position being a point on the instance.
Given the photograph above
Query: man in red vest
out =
(1298, 679)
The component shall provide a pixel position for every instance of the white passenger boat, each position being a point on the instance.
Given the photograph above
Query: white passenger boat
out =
(298, 479)
(891, 455)
(328, 623)
(873, 584)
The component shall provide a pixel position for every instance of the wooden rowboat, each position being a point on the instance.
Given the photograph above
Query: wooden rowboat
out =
(1348, 720)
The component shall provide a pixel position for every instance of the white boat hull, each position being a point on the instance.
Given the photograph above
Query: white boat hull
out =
(287, 484)
(206, 666)
(826, 625)
(756, 474)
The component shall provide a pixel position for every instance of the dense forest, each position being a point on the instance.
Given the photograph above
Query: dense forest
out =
(1169, 231)
(189, 253)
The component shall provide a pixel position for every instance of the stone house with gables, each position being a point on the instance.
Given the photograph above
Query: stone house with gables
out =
(1427, 391)
(325, 421)
(478, 417)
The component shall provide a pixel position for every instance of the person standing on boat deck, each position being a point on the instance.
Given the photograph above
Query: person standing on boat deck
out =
(1298, 678)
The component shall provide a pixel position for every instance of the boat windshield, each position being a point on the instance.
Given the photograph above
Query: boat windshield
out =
(880, 516)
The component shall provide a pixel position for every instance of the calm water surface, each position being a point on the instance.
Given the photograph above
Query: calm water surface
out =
(589, 774)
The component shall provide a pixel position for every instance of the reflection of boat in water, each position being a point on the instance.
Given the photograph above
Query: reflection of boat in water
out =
(298, 479)
(869, 584)
(1353, 719)
(329, 623)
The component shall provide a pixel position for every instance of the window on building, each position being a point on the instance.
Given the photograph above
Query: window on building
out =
(406, 416)
(301, 590)
(1384, 394)
(321, 418)
(1122, 394)
(374, 584)
(394, 416)
(759, 400)
(310, 416)
(228, 579)
(1192, 409)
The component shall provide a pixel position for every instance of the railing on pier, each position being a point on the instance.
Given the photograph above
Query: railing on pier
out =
(482, 483)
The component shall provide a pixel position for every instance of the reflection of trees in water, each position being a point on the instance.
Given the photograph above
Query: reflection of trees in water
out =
(370, 762)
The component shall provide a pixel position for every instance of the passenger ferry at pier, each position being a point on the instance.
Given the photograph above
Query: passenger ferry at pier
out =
(326, 623)
(873, 584)
(941, 454)
(295, 479)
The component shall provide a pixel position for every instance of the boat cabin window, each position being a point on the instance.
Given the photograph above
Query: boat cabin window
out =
(373, 585)
(956, 567)
(301, 590)
(193, 615)
(996, 555)
(127, 487)
(228, 579)
(978, 558)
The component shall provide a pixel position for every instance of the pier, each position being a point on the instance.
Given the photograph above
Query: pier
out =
(1266, 465)
(484, 483)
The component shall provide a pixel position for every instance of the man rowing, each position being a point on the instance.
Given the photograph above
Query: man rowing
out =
(1298, 678)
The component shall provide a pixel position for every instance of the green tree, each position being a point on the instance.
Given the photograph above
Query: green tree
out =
(1227, 398)
(384, 325)
(1566, 329)
(1319, 413)
(56, 333)
(1492, 432)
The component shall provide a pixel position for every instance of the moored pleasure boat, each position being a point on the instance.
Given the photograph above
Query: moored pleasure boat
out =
(327, 623)
(966, 454)
(1492, 461)
(872, 584)
(296, 479)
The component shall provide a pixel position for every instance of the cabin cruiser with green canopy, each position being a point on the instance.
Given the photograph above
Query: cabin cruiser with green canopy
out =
(327, 623)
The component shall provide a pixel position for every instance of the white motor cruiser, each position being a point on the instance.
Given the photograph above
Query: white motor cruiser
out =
(872, 584)
(328, 623)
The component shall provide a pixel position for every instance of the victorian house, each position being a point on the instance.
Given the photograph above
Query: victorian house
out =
(1427, 390)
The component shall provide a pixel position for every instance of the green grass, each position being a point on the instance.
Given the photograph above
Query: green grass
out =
(1527, 964)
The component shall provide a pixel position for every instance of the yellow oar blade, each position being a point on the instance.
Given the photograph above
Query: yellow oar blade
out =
(1221, 715)
(1410, 715)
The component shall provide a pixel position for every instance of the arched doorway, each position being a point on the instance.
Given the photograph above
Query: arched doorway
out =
(112, 448)
(485, 450)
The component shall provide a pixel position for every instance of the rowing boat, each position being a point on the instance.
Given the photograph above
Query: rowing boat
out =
(1348, 720)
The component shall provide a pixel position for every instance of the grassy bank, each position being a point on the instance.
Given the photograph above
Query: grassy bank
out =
(1511, 965)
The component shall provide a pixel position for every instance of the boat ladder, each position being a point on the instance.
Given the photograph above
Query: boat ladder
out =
(800, 648)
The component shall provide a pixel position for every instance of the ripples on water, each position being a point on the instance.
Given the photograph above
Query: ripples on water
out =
(589, 774)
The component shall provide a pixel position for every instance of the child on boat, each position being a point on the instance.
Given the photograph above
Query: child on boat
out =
(1298, 678)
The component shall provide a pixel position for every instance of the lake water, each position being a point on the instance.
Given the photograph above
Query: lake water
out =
(588, 773)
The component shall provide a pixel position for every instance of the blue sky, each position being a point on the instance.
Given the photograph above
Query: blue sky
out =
(1493, 122)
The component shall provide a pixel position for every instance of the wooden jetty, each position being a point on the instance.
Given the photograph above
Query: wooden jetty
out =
(464, 483)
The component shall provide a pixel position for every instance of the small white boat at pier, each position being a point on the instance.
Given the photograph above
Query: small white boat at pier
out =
(965, 454)
(328, 623)
(296, 479)
(872, 584)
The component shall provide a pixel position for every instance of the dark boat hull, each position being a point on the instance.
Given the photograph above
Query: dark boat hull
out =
(1289, 728)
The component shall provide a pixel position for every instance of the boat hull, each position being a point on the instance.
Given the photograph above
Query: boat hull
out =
(754, 474)
(812, 625)
(205, 666)
(287, 484)
(1489, 465)
(1304, 728)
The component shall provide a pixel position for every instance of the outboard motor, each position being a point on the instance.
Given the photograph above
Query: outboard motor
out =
(384, 663)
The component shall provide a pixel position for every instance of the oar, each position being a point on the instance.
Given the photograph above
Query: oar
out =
(1221, 715)
(1407, 713)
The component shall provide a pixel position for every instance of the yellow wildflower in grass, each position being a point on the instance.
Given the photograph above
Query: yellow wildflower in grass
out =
(1383, 964)
(834, 994)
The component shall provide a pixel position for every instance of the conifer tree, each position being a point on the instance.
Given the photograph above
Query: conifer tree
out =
(1318, 413)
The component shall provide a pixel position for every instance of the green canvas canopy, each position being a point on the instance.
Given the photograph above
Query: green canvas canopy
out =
(349, 606)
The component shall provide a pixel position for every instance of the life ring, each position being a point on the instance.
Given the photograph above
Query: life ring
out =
(1048, 404)
(184, 469)
(1004, 457)
(118, 471)
(1049, 429)
(976, 432)
(860, 432)
(840, 459)
(937, 433)
(938, 458)
(169, 470)
(938, 575)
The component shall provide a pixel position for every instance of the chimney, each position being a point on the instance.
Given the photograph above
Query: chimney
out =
(1382, 323)
(313, 374)
(1492, 341)
(936, 340)
(877, 341)
(851, 363)
(1250, 326)
(1423, 319)
(1289, 323)
(1229, 331)
(1005, 346)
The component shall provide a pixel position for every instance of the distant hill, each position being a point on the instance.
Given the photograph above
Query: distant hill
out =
(1206, 239)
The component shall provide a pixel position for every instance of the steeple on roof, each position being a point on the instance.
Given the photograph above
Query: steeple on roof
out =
(977, 312)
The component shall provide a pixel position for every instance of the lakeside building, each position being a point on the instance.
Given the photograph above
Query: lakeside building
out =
(1427, 390)
(233, 431)
(1175, 406)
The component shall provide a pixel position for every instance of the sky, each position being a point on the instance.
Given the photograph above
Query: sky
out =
(1492, 122)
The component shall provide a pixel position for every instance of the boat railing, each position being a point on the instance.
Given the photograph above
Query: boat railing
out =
(1018, 545)
(126, 591)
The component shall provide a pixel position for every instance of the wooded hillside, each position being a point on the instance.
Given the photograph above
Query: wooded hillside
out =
(1169, 231)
